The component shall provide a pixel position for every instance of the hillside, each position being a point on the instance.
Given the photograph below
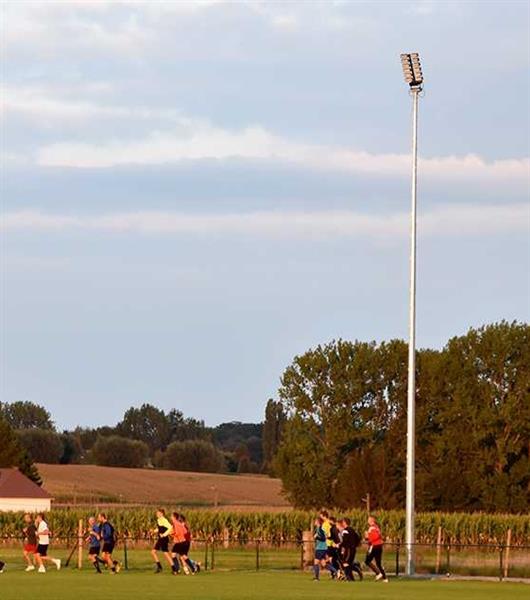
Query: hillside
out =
(90, 483)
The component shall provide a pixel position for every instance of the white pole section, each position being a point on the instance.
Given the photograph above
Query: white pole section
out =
(411, 390)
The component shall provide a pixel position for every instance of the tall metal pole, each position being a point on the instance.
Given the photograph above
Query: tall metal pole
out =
(411, 390)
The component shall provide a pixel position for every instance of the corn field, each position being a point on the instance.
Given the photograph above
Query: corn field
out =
(457, 528)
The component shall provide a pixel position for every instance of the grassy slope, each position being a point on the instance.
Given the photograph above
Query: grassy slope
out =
(70, 585)
(89, 483)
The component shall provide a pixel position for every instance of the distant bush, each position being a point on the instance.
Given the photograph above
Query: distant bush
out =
(44, 445)
(117, 451)
(192, 455)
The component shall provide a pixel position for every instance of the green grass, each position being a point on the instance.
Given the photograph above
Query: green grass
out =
(73, 585)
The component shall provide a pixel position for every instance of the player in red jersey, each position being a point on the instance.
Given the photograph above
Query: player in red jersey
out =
(375, 549)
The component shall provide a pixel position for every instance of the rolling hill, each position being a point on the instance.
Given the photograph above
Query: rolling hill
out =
(82, 484)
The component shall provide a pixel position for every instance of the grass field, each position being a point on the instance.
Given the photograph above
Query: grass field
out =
(72, 585)
(90, 483)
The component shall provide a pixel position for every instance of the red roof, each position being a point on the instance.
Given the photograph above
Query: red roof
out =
(13, 484)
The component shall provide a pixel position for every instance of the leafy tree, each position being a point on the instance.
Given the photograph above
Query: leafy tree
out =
(345, 433)
(13, 455)
(26, 415)
(72, 448)
(483, 422)
(193, 455)
(272, 432)
(147, 424)
(342, 400)
(117, 451)
(87, 436)
(43, 445)
(182, 428)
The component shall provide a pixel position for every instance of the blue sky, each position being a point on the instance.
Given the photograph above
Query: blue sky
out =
(195, 192)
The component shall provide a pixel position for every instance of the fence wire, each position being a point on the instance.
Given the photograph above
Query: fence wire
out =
(485, 560)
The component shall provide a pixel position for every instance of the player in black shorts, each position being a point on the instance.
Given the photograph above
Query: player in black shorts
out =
(350, 541)
(108, 537)
(163, 532)
(94, 544)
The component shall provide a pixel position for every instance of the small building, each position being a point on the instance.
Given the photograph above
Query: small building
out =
(18, 493)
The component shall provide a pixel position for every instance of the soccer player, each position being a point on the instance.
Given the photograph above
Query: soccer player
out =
(333, 543)
(375, 549)
(179, 543)
(30, 541)
(108, 536)
(94, 543)
(321, 551)
(163, 529)
(195, 567)
(349, 543)
(43, 539)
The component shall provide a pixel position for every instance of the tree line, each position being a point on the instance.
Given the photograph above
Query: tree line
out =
(343, 436)
(146, 436)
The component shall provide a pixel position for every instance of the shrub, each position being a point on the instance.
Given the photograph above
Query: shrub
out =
(193, 455)
(117, 451)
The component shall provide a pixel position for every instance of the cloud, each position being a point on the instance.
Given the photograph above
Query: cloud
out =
(200, 140)
(445, 220)
(40, 104)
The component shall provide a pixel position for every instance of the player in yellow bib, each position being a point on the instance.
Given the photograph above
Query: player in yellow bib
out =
(163, 530)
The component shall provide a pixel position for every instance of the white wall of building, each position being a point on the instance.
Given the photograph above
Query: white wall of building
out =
(25, 504)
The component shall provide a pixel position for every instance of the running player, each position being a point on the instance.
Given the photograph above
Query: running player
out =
(375, 549)
(350, 541)
(321, 551)
(108, 537)
(43, 539)
(94, 543)
(179, 543)
(163, 531)
(30, 542)
(333, 543)
(195, 567)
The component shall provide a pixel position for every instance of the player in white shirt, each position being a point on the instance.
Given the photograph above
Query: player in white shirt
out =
(43, 539)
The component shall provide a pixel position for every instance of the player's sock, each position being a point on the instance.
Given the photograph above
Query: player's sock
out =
(316, 571)
(191, 564)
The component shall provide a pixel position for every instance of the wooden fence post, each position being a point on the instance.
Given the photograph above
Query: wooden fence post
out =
(507, 555)
(80, 535)
(438, 549)
(308, 544)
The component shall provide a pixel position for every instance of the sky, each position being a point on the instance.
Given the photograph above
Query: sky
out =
(193, 193)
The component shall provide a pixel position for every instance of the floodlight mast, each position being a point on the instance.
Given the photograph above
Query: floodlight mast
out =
(414, 77)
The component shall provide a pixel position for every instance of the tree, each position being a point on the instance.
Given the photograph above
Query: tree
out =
(182, 428)
(483, 422)
(272, 433)
(26, 415)
(117, 451)
(72, 448)
(345, 429)
(43, 445)
(343, 401)
(13, 455)
(147, 424)
(193, 455)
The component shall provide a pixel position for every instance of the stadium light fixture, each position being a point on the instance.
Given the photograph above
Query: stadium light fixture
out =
(414, 77)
